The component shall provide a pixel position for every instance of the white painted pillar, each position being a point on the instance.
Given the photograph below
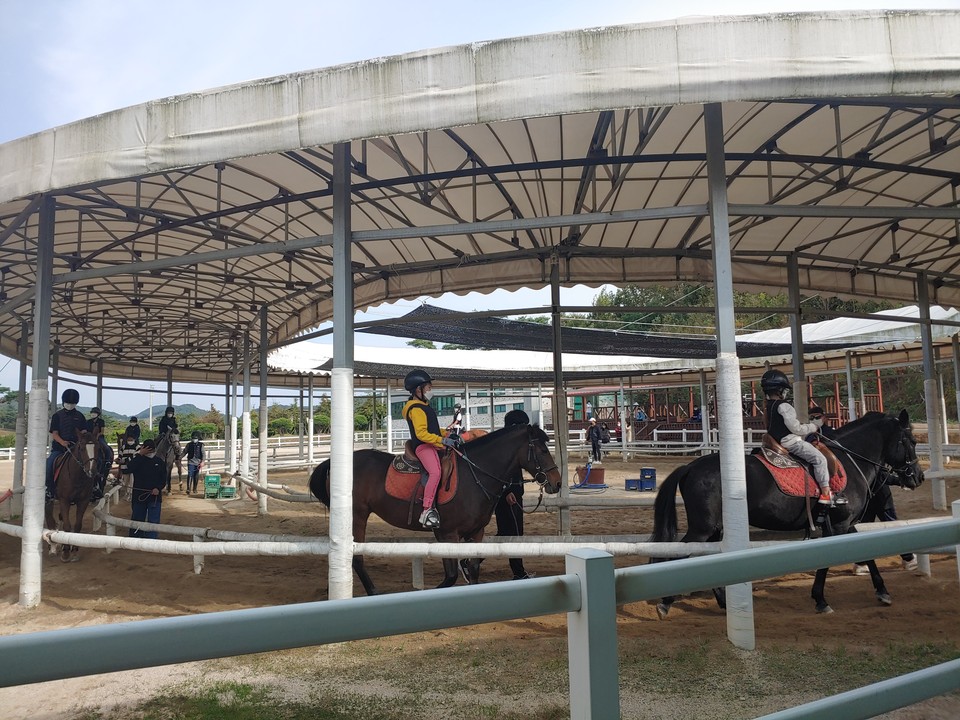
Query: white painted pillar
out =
(930, 392)
(851, 397)
(467, 421)
(16, 502)
(561, 426)
(31, 545)
(340, 583)
(264, 419)
(312, 442)
(300, 424)
(246, 440)
(388, 400)
(704, 413)
(736, 534)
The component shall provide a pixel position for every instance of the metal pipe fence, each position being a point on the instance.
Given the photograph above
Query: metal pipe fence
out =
(589, 592)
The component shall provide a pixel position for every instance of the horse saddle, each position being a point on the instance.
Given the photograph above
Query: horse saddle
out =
(406, 477)
(793, 475)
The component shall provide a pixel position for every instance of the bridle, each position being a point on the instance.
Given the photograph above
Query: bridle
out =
(533, 458)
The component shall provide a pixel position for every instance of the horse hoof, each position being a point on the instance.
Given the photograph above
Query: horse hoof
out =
(884, 598)
(662, 611)
(447, 583)
(824, 609)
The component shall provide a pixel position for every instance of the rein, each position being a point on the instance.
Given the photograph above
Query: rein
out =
(540, 476)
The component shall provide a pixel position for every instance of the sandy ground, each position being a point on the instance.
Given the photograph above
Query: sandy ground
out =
(124, 585)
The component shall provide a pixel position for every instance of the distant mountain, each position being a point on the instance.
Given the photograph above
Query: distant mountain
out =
(181, 410)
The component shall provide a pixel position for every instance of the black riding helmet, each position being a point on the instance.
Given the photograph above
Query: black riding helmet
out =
(169, 409)
(70, 396)
(416, 378)
(774, 380)
(133, 418)
(195, 435)
(95, 410)
(516, 417)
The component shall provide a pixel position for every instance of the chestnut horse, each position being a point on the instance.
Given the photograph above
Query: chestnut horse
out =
(74, 486)
(484, 466)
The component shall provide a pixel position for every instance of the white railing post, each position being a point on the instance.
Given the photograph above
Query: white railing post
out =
(592, 638)
(955, 507)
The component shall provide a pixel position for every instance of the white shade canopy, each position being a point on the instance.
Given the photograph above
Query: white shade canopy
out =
(477, 167)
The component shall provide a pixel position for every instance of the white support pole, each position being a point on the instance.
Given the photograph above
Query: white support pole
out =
(540, 404)
(930, 392)
(99, 402)
(16, 502)
(468, 422)
(851, 396)
(736, 534)
(234, 416)
(373, 418)
(387, 400)
(623, 423)
(492, 424)
(55, 376)
(561, 426)
(31, 546)
(246, 428)
(264, 419)
(227, 415)
(592, 632)
(300, 427)
(955, 341)
(340, 573)
(704, 414)
(800, 394)
(312, 441)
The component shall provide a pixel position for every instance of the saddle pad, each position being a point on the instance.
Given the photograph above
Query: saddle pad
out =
(798, 482)
(404, 485)
(403, 466)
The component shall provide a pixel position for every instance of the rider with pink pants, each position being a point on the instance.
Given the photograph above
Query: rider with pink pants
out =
(425, 432)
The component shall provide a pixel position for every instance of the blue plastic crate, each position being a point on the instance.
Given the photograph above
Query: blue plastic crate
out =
(632, 484)
(648, 479)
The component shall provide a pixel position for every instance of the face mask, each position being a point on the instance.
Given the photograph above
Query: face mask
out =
(169, 414)
(129, 443)
(428, 395)
(133, 422)
(69, 406)
(94, 415)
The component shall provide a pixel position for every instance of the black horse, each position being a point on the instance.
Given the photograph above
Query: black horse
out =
(875, 449)
(484, 469)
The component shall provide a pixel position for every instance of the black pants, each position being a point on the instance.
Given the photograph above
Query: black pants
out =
(880, 507)
(595, 446)
(510, 522)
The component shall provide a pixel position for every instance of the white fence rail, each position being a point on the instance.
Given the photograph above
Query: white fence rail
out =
(589, 592)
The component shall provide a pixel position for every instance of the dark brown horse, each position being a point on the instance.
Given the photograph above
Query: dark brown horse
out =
(74, 487)
(483, 468)
(876, 449)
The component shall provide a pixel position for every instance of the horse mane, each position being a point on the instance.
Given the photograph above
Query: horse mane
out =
(497, 435)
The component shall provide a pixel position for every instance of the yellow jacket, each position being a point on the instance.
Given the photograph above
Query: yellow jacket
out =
(423, 423)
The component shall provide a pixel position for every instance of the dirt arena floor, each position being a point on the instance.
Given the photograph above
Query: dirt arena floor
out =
(125, 585)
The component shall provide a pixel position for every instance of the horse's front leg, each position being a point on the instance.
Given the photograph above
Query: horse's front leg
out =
(817, 592)
(470, 567)
(74, 550)
(878, 585)
(450, 565)
(51, 524)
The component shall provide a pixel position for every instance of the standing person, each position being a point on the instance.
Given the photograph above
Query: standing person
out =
(596, 438)
(194, 453)
(168, 422)
(589, 410)
(425, 432)
(784, 427)
(457, 424)
(509, 508)
(150, 477)
(95, 426)
(65, 427)
(133, 429)
(127, 450)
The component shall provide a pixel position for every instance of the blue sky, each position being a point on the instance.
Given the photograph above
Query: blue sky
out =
(68, 60)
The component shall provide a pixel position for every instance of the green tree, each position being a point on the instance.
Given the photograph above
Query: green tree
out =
(427, 344)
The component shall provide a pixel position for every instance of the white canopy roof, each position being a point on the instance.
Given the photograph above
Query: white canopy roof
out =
(477, 167)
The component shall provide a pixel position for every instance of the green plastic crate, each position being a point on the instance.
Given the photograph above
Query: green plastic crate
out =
(211, 486)
(226, 491)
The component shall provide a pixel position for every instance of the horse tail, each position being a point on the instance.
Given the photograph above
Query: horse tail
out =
(319, 485)
(665, 507)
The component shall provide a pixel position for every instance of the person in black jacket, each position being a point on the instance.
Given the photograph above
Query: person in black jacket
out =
(595, 436)
(509, 509)
(133, 429)
(194, 454)
(149, 479)
(65, 427)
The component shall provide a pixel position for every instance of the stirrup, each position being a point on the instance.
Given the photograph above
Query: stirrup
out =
(430, 518)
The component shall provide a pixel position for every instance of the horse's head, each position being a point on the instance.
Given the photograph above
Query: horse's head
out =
(85, 452)
(539, 462)
(900, 454)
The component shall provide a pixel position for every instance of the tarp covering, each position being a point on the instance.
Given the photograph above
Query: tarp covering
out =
(450, 326)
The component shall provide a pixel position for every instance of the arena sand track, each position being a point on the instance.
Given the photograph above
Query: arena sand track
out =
(125, 585)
